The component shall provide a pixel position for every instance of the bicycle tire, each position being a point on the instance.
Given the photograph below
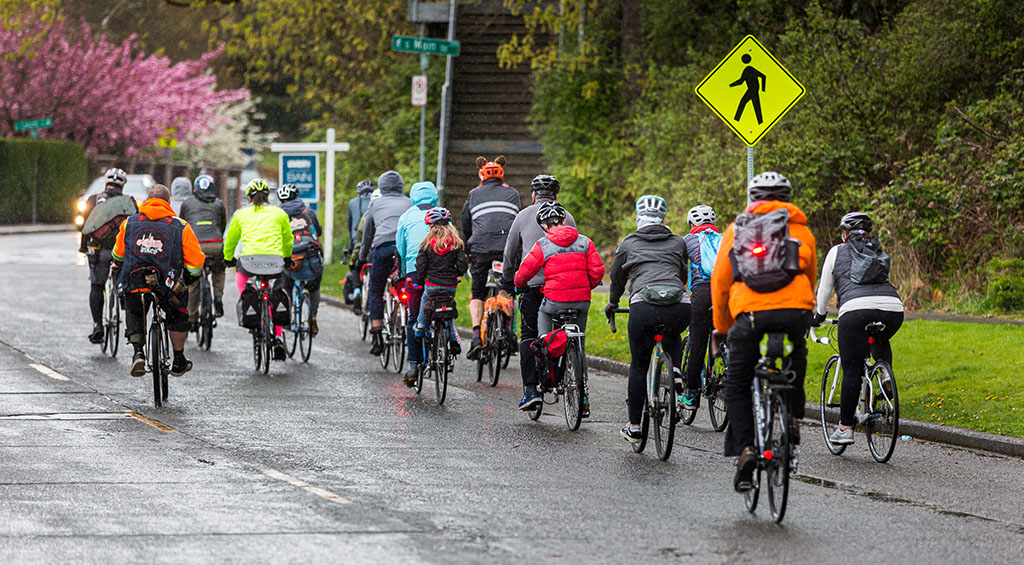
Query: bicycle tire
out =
(441, 363)
(205, 334)
(364, 301)
(824, 405)
(686, 417)
(257, 351)
(499, 341)
(750, 497)
(663, 409)
(717, 410)
(156, 361)
(398, 337)
(645, 424)
(268, 338)
(295, 328)
(572, 395)
(778, 467)
(883, 427)
(305, 332)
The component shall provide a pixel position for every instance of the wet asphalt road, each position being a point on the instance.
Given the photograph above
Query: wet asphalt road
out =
(336, 461)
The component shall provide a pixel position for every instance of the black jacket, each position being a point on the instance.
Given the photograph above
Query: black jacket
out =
(652, 255)
(488, 215)
(441, 269)
(208, 219)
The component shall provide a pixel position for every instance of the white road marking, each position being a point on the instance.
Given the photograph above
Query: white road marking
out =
(322, 493)
(49, 372)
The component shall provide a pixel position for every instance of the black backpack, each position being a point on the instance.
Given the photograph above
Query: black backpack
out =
(868, 263)
(763, 256)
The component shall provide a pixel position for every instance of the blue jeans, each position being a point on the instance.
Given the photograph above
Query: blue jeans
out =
(382, 262)
(421, 320)
(414, 346)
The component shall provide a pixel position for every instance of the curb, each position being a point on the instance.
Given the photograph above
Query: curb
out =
(37, 228)
(941, 433)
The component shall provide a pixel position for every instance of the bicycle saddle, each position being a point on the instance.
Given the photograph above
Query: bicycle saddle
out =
(262, 265)
(874, 327)
(568, 314)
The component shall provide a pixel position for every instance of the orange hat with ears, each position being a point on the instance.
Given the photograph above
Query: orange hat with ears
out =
(491, 169)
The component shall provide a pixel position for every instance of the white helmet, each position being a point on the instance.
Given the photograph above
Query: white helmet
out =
(650, 205)
(769, 185)
(375, 194)
(701, 215)
(116, 177)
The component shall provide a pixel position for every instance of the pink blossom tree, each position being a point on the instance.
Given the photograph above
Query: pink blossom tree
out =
(108, 97)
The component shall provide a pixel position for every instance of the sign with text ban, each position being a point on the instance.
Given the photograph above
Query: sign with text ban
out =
(750, 90)
(302, 170)
(419, 90)
(425, 45)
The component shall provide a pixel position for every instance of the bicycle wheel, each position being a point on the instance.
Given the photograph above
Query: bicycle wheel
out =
(305, 335)
(750, 497)
(268, 338)
(831, 382)
(165, 351)
(501, 353)
(440, 363)
(686, 417)
(257, 350)
(572, 397)
(156, 362)
(777, 466)
(663, 409)
(295, 328)
(398, 337)
(205, 334)
(111, 319)
(715, 392)
(882, 427)
(645, 425)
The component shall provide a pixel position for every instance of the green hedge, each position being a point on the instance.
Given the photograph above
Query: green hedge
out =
(55, 170)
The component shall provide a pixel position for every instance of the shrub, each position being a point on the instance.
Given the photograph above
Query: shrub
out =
(1006, 284)
(54, 171)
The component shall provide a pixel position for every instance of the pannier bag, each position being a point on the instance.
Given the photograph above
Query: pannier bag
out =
(763, 256)
(280, 306)
(248, 308)
(547, 350)
(440, 307)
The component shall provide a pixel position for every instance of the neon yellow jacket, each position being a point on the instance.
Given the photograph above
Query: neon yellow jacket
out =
(263, 230)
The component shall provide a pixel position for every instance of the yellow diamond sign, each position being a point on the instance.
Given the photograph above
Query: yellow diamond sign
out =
(750, 90)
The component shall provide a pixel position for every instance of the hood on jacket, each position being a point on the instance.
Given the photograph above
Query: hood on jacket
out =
(703, 228)
(155, 209)
(654, 232)
(439, 249)
(390, 183)
(423, 193)
(796, 215)
(294, 207)
(562, 235)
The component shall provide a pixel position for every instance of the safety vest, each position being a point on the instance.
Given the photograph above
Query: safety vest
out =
(152, 243)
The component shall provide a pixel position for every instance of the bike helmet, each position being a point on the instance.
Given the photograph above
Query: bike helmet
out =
(204, 185)
(700, 215)
(491, 169)
(116, 177)
(545, 185)
(256, 185)
(650, 205)
(551, 213)
(287, 192)
(439, 216)
(364, 186)
(769, 186)
(855, 223)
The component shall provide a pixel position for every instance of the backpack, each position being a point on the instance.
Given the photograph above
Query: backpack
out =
(248, 308)
(710, 241)
(763, 256)
(280, 306)
(868, 263)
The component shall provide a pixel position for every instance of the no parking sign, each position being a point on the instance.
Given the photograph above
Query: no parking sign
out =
(419, 90)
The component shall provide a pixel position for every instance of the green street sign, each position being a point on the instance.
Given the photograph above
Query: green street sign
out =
(425, 45)
(33, 124)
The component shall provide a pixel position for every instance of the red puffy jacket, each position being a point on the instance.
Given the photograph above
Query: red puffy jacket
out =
(571, 264)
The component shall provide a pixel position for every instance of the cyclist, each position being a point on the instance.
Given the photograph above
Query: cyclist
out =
(306, 248)
(357, 209)
(208, 218)
(354, 265)
(487, 217)
(656, 261)
(261, 229)
(156, 238)
(703, 233)
(864, 296)
(572, 268)
(440, 262)
(412, 230)
(104, 213)
(747, 315)
(522, 236)
(378, 247)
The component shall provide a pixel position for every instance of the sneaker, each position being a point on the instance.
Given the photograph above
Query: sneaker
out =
(474, 348)
(841, 437)
(411, 375)
(180, 366)
(97, 334)
(378, 342)
(745, 465)
(631, 435)
(218, 307)
(455, 347)
(138, 364)
(530, 399)
(280, 353)
(357, 309)
(585, 413)
(794, 431)
(691, 401)
(313, 328)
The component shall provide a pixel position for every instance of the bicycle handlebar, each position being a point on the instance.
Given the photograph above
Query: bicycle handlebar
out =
(611, 316)
(825, 339)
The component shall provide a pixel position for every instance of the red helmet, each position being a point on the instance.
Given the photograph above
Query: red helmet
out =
(437, 216)
(491, 169)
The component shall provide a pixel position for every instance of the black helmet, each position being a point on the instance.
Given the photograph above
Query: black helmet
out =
(769, 186)
(855, 223)
(551, 213)
(545, 185)
(364, 186)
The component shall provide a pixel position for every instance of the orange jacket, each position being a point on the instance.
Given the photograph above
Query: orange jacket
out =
(155, 209)
(729, 298)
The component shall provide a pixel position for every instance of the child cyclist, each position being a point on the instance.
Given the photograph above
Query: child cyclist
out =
(441, 259)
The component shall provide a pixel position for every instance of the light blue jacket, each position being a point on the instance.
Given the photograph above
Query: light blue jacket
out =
(411, 229)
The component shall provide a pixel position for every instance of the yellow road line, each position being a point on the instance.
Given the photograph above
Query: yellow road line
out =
(322, 493)
(151, 422)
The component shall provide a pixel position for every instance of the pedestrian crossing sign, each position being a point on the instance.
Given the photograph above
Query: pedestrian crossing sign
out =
(750, 90)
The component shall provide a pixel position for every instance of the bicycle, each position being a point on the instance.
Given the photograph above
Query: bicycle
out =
(302, 335)
(877, 414)
(660, 405)
(395, 317)
(565, 377)
(364, 300)
(207, 316)
(263, 269)
(497, 331)
(711, 377)
(776, 454)
(111, 316)
(157, 346)
(438, 360)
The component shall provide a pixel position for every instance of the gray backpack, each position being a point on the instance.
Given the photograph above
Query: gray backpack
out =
(763, 256)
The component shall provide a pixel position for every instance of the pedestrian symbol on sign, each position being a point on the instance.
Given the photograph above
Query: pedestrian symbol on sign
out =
(755, 82)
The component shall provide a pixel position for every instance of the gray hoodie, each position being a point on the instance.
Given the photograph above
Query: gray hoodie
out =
(652, 255)
(522, 236)
(381, 220)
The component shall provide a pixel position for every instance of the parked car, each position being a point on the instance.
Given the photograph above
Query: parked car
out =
(136, 187)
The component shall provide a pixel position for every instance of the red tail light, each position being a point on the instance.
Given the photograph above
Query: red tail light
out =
(404, 298)
(758, 250)
(768, 454)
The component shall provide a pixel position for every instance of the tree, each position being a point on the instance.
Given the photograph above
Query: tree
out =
(232, 132)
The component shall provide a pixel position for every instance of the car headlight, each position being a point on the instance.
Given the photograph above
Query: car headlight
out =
(79, 220)
(81, 205)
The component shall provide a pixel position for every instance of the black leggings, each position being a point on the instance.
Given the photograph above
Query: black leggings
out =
(644, 318)
(854, 348)
(700, 333)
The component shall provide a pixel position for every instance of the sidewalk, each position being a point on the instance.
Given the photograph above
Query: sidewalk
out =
(36, 228)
